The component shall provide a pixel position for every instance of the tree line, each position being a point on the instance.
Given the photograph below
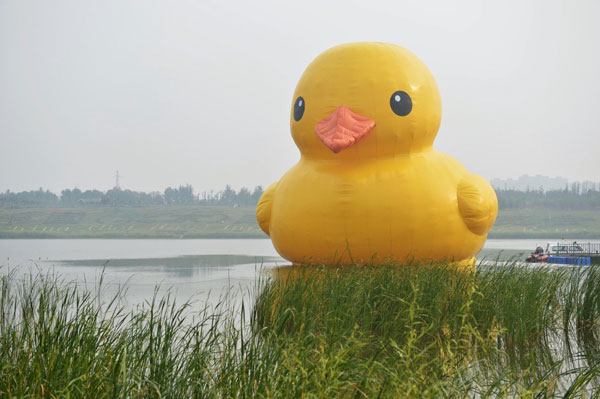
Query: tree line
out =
(182, 195)
(576, 196)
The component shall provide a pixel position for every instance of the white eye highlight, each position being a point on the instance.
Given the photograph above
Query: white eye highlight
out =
(397, 98)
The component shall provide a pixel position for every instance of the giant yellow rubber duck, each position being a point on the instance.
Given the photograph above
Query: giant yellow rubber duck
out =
(369, 186)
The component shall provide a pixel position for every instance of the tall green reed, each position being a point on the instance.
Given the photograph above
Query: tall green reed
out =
(387, 331)
(501, 322)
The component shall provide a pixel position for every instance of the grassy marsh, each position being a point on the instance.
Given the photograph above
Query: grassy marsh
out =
(388, 331)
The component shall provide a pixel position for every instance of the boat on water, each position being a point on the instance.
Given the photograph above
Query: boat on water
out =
(567, 253)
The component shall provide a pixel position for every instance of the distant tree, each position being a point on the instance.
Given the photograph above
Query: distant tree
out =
(70, 197)
(34, 198)
(170, 196)
(228, 196)
(577, 196)
(244, 197)
(256, 194)
(186, 194)
(183, 195)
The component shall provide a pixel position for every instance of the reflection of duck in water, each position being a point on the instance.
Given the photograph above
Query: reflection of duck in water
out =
(364, 118)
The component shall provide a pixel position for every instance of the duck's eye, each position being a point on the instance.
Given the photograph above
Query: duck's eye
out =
(299, 108)
(401, 103)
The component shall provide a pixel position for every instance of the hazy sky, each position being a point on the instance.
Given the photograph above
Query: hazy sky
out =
(199, 92)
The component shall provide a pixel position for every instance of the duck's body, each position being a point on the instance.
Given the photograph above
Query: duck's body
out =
(375, 199)
(339, 211)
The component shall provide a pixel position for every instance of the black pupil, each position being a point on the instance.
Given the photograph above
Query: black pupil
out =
(401, 103)
(298, 109)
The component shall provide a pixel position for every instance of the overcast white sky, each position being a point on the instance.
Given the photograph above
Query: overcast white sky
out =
(199, 92)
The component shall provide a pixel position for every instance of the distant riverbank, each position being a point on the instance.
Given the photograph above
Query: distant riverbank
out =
(184, 222)
(130, 222)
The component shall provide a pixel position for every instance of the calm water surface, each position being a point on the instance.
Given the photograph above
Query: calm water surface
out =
(204, 269)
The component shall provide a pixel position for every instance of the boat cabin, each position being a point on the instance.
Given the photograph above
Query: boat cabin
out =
(572, 248)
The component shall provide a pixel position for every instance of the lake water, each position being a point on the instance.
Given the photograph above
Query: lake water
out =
(204, 269)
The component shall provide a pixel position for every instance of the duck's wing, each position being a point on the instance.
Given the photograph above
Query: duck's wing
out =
(477, 203)
(263, 208)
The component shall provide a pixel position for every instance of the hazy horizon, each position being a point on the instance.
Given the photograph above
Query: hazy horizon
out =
(175, 93)
(521, 183)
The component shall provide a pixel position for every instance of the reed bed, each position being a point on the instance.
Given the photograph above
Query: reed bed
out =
(396, 331)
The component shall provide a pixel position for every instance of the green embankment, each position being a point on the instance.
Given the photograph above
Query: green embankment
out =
(130, 222)
(229, 222)
(547, 223)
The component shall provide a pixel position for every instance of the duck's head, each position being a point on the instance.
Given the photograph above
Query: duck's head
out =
(365, 100)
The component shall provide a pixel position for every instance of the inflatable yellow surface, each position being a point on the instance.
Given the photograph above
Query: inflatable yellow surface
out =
(369, 187)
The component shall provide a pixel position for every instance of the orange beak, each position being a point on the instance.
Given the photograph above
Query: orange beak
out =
(343, 128)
